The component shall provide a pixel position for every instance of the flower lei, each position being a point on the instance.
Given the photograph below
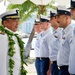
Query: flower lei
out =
(11, 51)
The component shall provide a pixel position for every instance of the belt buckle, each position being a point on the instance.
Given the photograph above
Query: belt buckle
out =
(40, 58)
(59, 68)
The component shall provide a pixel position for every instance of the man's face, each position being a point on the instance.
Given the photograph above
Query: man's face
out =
(37, 28)
(12, 24)
(73, 13)
(61, 20)
(43, 25)
(53, 21)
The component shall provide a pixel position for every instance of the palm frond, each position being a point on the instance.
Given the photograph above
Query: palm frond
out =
(27, 8)
(12, 6)
(50, 5)
(28, 14)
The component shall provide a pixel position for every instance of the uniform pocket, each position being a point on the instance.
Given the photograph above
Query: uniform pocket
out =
(63, 41)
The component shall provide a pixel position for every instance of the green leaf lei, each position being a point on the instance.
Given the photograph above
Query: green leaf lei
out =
(11, 51)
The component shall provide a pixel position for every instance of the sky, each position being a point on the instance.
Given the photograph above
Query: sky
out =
(3, 6)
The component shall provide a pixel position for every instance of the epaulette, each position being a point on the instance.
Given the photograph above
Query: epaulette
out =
(3, 33)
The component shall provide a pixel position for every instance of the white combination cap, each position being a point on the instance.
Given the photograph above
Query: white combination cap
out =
(63, 10)
(10, 14)
(37, 21)
(44, 18)
(53, 13)
(72, 4)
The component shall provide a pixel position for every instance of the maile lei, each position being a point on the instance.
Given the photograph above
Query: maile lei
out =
(11, 51)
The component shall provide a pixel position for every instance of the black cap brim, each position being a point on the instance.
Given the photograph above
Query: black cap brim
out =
(43, 20)
(71, 8)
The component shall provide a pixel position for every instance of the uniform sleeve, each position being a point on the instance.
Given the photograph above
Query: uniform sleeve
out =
(3, 54)
(48, 43)
(72, 55)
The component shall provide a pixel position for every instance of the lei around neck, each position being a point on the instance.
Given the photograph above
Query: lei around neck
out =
(11, 51)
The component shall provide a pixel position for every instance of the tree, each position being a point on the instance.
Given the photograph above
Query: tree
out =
(26, 9)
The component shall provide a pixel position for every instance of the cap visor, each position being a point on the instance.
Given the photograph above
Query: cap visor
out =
(71, 7)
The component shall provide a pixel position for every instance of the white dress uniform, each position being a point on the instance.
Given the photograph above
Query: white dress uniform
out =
(54, 44)
(4, 58)
(64, 46)
(37, 44)
(44, 43)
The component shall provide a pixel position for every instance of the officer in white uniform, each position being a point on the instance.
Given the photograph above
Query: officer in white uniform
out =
(64, 20)
(38, 31)
(72, 52)
(72, 9)
(10, 21)
(44, 45)
(54, 43)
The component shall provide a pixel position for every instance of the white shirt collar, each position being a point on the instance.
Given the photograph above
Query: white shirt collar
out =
(9, 30)
(45, 32)
(55, 31)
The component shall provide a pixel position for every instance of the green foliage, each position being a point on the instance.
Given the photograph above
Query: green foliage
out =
(0, 23)
(28, 14)
(11, 66)
(25, 9)
(1, 28)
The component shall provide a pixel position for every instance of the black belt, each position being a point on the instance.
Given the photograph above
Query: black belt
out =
(63, 67)
(42, 58)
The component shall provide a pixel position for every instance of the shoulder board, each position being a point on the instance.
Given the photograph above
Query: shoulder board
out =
(3, 33)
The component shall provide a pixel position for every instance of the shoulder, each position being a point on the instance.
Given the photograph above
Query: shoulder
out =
(2, 33)
(72, 32)
(3, 38)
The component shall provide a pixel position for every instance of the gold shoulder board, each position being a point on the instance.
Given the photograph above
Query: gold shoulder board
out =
(2, 32)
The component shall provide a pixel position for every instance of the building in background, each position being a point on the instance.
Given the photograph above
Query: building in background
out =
(28, 25)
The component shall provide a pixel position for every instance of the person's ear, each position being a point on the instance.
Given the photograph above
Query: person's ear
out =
(5, 23)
